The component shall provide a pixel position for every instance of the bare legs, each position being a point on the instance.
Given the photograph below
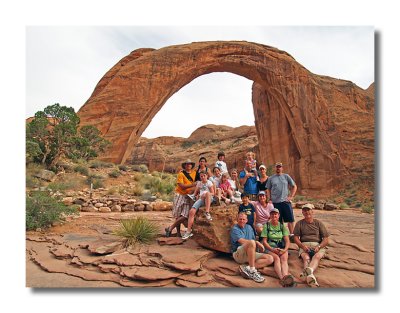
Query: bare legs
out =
(314, 262)
(280, 264)
(180, 220)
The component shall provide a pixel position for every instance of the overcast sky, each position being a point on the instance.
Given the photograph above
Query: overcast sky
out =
(64, 64)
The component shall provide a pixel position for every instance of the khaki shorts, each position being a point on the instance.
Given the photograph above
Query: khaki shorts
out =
(240, 255)
(312, 245)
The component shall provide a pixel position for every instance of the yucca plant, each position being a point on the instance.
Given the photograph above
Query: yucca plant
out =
(137, 230)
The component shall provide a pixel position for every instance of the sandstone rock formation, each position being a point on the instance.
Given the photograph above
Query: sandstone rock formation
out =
(321, 128)
(167, 153)
(83, 254)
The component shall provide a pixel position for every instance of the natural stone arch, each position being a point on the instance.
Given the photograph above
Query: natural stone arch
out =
(295, 112)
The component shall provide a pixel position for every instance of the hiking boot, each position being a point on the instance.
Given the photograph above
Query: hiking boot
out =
(167, 232)
(256, 276)
(187, 235)
(208, 216)
(288, 281)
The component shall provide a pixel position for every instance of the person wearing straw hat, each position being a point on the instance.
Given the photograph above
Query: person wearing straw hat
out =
(185, 185)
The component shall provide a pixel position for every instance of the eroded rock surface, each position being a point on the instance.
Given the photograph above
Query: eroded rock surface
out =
(61, 257)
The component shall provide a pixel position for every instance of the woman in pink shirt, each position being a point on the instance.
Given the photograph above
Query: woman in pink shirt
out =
(263, 211)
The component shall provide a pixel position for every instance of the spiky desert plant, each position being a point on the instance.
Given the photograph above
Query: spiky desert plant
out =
(137, 230)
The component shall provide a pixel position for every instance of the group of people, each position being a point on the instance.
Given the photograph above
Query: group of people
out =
(260, 238)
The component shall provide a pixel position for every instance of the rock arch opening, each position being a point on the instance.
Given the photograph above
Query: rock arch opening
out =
(303, 129)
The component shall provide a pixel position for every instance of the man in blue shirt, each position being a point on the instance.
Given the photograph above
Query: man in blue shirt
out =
(248, 179)
(243, 248)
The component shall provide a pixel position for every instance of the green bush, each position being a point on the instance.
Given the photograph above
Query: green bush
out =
(122, 167)
(343, 205)
(82, 170)
(137, 190)
(138, 230)
(100, 164)
(96, 181)
(114, 174)
(42, 210)
(368, 209)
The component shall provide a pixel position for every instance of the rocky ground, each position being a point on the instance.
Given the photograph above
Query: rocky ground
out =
(84, 253)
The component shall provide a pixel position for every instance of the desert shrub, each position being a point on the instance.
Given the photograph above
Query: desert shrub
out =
(137, 190)
(368, 209)
(70, 181)
(42, 210)
(100, 164)
(113, 191)
(32, 182)
(122, 167)
(187, 144)
(82, 170)
(96, 181)
(343, 205)
(114, 174)
(138, 230)
(137, 177)
(143, 168)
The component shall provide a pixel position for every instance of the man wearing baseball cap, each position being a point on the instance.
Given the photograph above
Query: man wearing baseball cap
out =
(311, 237)
(281, 189)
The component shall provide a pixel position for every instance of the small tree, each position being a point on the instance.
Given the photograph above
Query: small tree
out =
(87, 144)
(53, 133)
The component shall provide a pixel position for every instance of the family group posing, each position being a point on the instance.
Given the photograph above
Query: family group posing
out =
(260, 238)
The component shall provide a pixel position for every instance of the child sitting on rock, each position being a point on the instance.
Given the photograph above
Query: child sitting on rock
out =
(226, 189)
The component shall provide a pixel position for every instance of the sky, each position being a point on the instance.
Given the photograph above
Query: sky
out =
(64, 64)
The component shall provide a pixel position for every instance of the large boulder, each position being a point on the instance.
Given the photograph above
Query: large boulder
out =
(215, 234)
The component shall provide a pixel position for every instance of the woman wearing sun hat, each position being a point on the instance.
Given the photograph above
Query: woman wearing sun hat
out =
(185, 184)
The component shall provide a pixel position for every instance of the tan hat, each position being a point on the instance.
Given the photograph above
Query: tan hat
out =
(188, 161)
(307, 206)
(274, 210)
(278, 164)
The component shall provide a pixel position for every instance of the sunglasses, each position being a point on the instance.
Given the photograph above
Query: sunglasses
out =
(279, 166)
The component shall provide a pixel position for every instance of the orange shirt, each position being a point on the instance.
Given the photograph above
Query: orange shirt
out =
(182, 179)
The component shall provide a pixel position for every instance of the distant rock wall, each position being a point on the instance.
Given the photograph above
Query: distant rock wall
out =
(321, 128)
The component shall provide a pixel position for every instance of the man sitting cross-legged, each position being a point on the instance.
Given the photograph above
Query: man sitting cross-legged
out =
(243, 247)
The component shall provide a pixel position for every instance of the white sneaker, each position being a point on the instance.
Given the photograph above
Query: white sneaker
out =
(208, 216)
(187, 235)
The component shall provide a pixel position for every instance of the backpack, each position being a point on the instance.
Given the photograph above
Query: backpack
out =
(279, 243)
